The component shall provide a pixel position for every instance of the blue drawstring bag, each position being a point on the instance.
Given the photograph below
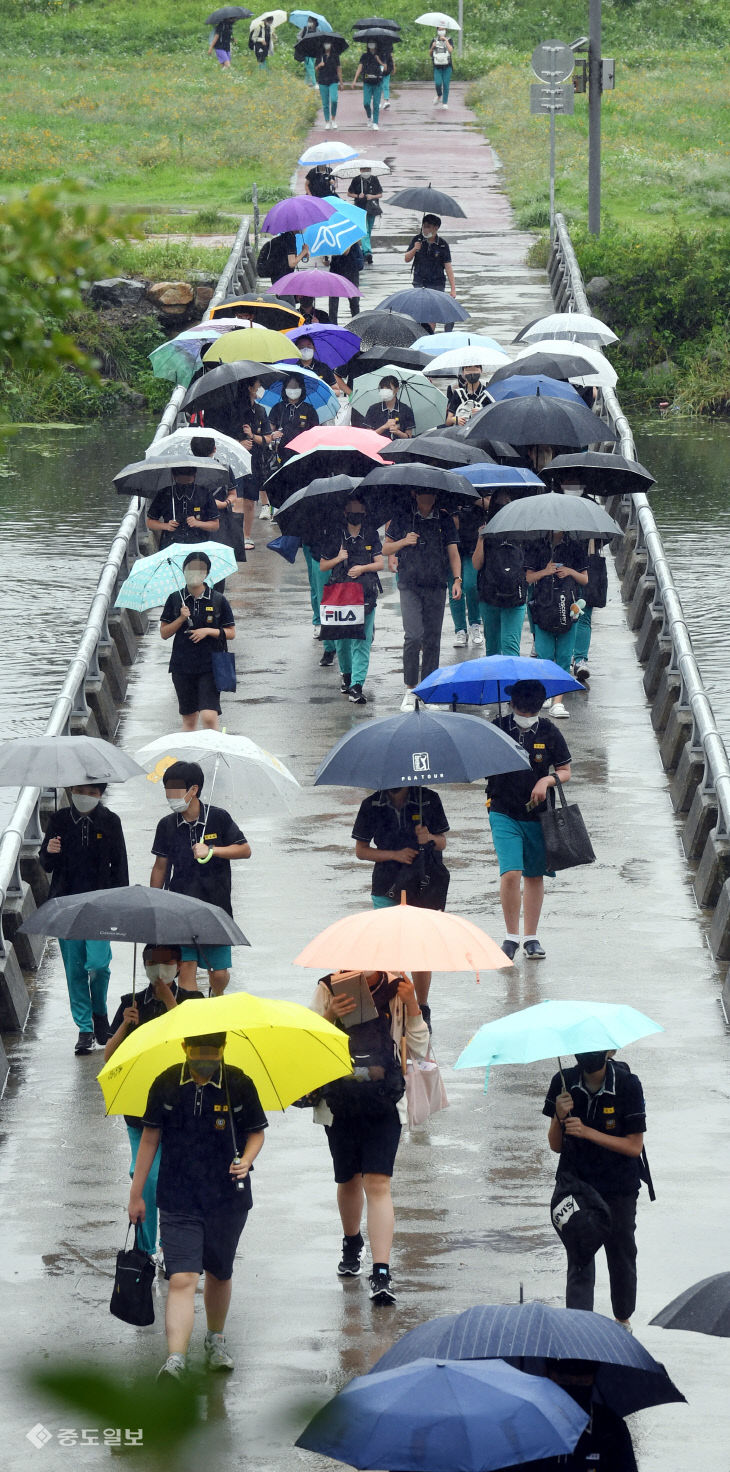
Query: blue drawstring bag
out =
(287, 547)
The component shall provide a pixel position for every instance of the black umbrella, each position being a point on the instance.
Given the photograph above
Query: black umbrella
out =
(600, 472)
(386, 329)
(136, 913)
(377, 33)
(147, 477)
(301, 470)
(554, 365)
(227, 376)
(705, 1308)
(376, 20)
(536, 420)
(534, 516)
(311, 44)
(419, 748)
(435, 449)
(308, 511)
(392, 484)
(228, 12)
(374, 358)
(273, 312)
(426, 200)
(424, 305)
(480, 440)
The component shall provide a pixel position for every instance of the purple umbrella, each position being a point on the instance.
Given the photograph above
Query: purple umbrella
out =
(332, 345)
(314, 284)
(296, 213)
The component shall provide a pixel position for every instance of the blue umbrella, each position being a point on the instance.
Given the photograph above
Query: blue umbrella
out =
(424, 305)
(332, 237)
(489, 477)
(332, 345)
(346, 208)
(488, 680)
(445, 342)
(153, 578)
(317, 393)
(287, 547)
(520, 385)
(448, 1416)
(551, 1028)
(418, 749)
(299, 18)
(628, 1377)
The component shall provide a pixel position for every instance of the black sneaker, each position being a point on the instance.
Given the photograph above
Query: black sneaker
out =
(426, 1015)
(328, 657)
(381, 1289)
(510, 948)
(534, 951)
(85, 1043)
(350, 1264)
(356, 695)
(345, 685)
(581, 670)
(102, 1030)
(369, 258)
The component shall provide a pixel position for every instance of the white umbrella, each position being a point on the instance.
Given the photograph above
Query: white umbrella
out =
(227, 450)
(437, 18)
(328, 153)
(575, 326)
(448, 365)
(376, 166)
(237, 771)
(274, 17)
(604, 375)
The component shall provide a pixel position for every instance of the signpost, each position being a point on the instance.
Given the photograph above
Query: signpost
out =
(553, 63)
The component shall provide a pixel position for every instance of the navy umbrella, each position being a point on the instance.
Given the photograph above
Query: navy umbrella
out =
(705, 1308)
(424, 304)
(387, 329)
(419, 749)
(521, 385)
(513, 478)
(628, 1378)
(435, 449)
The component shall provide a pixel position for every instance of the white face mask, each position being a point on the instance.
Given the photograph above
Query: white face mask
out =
(178, 804)
(441, 35)
(293, 393)
(260, 392)
(161, 971)
(194, 576)
(83, 803)
(385, 394)
(525, 723)
(307, 354)
(371, 45)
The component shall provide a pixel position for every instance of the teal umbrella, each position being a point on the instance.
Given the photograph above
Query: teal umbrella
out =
(350, 211)
(153, 578)
(428, 403)
(179, 359)
(553, 1028)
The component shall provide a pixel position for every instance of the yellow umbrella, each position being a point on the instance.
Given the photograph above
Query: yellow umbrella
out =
(258, 344)
(286, 1049)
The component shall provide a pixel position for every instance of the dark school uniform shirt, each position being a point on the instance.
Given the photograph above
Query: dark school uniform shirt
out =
(377, 417)
(570, 551)
(326, 74)
(365, 185)
(149, 1007)
(273, 258)
(348, 264)
(173, 504)
(360, 551)
(469, 518)
(255, 416)
(197, 1141)
(320, 184)
(373, 70)
(174, 841)
(617, 1109)
(93, 852)
(425, 565)
(293, 419)
(212, 610)
(224, 33)
(385, 826)
(430, 261)
(546, 747)
(463, 397)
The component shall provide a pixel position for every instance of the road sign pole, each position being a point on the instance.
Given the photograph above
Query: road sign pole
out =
(594, 118)
(552, 173)
(460, 38)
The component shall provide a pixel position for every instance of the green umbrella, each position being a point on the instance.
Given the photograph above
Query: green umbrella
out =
(428, 404)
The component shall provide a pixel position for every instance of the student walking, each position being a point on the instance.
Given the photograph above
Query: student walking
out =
(291, 416)
(261, 40)
(183, 512)
(467, 396)
(328, 72)
(196, 621)
(366, 190)
(372, 70)
(84, 849)
(425, 542)
(465, 611)
(501, 585)
(349, 264)
(556, 568)
(391, 417)
(254, 432)
(207, 1122)
(442, 53)
(221, 42)
(353, 554)
(307, 30)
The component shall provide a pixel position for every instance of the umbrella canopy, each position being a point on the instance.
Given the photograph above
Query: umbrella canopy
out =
(481, 440)
(599, 371)
(601, 473)
(376, 33)
(704, 1308)
(434, 449)
(348, 208)
(311, 43)
(317, 393)
(486, 681)
(427, 403)
(558, 365)
(136, 914)
(437, 18)
(339, 436)
(316, 283)
(177, 361)
(552, 512)
(227, 451)
(515, 478)
(286, 1050)
(275, 315)
(274, 17)
(326, 460)
(228, 12)
(403, 938)
(441, 1414)
(418, 749)
(375, 165)
(309, 510)
(572, 326)
(295, 214)
(63, 761)
(628, 1379)
(554, 1028)
(369, 359)
(445, 342)
(449, 364)
(328, 153)
(522, 385)
(244, 771)
(147, 477)
(332, 345)
(153, 578)
(332, 237)
(254, 345)
(425, 200)
(386, 329)
(300, 18)
(425, 305)
(536, 420)
(224, 382)
(393, 485)
(376, 20)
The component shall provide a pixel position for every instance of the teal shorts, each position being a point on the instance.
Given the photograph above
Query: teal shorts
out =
(382, 901)
(519, 845)
(211, 958)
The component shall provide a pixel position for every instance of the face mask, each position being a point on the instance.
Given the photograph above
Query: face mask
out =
(161, 971)
(441, 35)
(371, 45)
(194, 576)
(204, 1068)
(364, 173)
(307, 354)
(428, 234)
(472, 377)
(384, 394)
(260, 392)
(355, 518)
(293, 393)
(384, 992)
(83, 803)
(591, 1062)
(178, 804)
(328, 48)
(525, 723)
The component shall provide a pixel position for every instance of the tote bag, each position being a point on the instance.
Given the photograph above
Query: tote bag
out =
(425, 1092)
(131, 1298)
(567, 844)
(342, 611)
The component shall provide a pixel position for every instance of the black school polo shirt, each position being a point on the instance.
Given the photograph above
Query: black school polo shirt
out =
(207, 612)
(197, 1142)
(360, 551)
(430, 261)
(546, 747)
(617, 1109)
(93, 853)
(425, 565)
(377, 417)
(149, 1007)
(174, 841)
(293, 419)
(383, 825)
(175, 505)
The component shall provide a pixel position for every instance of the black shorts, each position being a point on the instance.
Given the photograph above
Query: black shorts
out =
(195, 1244)
(195, 692)
(364, 1146)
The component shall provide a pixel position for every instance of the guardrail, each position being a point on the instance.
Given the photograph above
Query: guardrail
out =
(691, 746)
(94, 687)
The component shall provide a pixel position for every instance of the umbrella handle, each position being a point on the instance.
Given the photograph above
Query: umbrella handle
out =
(562, 1075)
(134, 976)
(209, 855)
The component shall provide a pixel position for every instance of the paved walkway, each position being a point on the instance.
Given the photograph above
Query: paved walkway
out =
(472, 1195)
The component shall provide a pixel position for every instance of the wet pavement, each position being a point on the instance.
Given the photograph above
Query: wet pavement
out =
(472, 1192)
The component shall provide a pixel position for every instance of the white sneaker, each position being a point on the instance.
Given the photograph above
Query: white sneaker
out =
(547, 703)
(559, 711)
(460, 638)
(386, 103)
(436, 101)
(316, 630)
(326, 127)
(409, 701)
(444, 106)
(174, 1368)
(376, 128)
(265, 512)
(476, 633)
(216, 1354)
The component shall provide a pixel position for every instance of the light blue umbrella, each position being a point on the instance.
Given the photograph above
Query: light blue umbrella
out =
(332, 237)
(554, 1028)
(317, 393)
(299, 18)
(445, 342)
(348, 209)
(153, 578)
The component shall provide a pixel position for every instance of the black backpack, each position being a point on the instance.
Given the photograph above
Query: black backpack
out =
(377, 1081)
(580, 1217)
(501, 581)
(550, 603)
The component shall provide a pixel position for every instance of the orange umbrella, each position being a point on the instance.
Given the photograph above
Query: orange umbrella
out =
(403, 938)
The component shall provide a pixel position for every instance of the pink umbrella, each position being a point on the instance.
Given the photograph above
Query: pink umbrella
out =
(332, 435)
(314, 284)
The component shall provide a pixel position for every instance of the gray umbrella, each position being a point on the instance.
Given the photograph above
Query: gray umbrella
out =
(147, 477)
(535, 420)
(386, 329)
(63, 761)
(532, 516)
(136, 913)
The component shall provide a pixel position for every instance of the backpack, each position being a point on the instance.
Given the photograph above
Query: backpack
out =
(272, 260)
(372, 71)
(501, 581)
(596, 590)
(441, 56)
(377, 1081)
(580, 1217)
(550, 604)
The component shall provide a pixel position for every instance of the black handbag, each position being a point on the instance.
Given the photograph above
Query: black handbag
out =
(425, 881)
(596, 589)
(567, 844)
(131, 1298)
(580, 1217)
